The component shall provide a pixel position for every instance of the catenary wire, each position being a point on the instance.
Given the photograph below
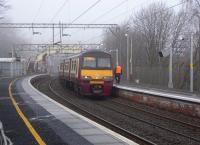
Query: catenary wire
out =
(38, 11)
(109, 11)
(143, 18)
(59, 10)
(88, 9)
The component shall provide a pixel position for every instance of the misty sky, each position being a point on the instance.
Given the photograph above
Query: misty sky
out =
(46, 11)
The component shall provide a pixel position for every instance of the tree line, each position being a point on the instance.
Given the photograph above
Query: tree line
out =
(155, 28)
(8, 37)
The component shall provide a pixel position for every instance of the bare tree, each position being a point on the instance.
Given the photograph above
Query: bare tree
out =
(152, 29)
(154, 24)
(8, 37)
(3, 8)
(192, 8)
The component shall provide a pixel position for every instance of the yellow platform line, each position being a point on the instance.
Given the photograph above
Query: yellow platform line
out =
(23, 117)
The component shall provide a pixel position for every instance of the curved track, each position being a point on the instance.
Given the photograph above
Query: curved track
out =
(156, 114)
(100, 120)
(156, 125)
(114, 105)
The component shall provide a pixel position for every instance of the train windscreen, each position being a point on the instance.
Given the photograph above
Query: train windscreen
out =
(103, 63)
(89, 62)
(97, 62)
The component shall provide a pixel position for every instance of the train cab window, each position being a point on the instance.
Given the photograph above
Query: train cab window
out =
(103, 63)
(89, 62)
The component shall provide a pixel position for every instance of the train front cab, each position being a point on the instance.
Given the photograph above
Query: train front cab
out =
(96, 75)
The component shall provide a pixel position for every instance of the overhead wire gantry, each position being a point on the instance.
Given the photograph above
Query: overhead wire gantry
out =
(56, 25)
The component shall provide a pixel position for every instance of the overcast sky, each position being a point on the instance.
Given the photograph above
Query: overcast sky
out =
(45, 11)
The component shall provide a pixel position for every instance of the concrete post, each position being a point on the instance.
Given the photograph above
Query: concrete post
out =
(191, 64)
(170, 83)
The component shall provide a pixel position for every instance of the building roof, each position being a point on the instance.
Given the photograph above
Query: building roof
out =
(7, 59)
(71, 50)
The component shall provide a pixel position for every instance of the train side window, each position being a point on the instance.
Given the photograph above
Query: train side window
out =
(77, 65)
(71, 65)
(74, 66)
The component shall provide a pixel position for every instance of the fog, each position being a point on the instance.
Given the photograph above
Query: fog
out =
(9, 37)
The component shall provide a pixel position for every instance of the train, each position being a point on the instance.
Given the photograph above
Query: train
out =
(89, 73)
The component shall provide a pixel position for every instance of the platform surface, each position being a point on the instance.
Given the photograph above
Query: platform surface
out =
(168, 93)
(54, 123)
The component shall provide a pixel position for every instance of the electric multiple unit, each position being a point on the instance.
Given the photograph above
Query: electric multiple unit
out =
(88, 73)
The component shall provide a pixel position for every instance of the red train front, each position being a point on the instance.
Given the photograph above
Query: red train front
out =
(88, 73)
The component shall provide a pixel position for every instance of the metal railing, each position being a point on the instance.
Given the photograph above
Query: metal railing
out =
(4, 140)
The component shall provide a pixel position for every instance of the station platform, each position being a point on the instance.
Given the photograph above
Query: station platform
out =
(34, 118)
(162, 92)
(171, 100)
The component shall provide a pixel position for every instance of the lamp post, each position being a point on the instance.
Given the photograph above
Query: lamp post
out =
(117, 54)
(191, 63)
(127, 55)
(165, 53)
(191, 35)
(170, 82)
(101, 46)
(131, 59)
(118, 39)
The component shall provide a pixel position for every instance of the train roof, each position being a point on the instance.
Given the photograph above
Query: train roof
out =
(87, 51)
(94, 50)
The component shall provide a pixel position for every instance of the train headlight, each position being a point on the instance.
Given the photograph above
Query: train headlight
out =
(86, 78)
(108, 78)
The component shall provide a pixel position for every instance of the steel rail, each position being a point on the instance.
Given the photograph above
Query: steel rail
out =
(149, 123)
(155, 114)
(100, 120)
(116, 128)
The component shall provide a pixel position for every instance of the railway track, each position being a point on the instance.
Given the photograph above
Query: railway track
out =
(96, 118)
(79, 108)
(155, 114)
(100, 120)
(153, 124)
